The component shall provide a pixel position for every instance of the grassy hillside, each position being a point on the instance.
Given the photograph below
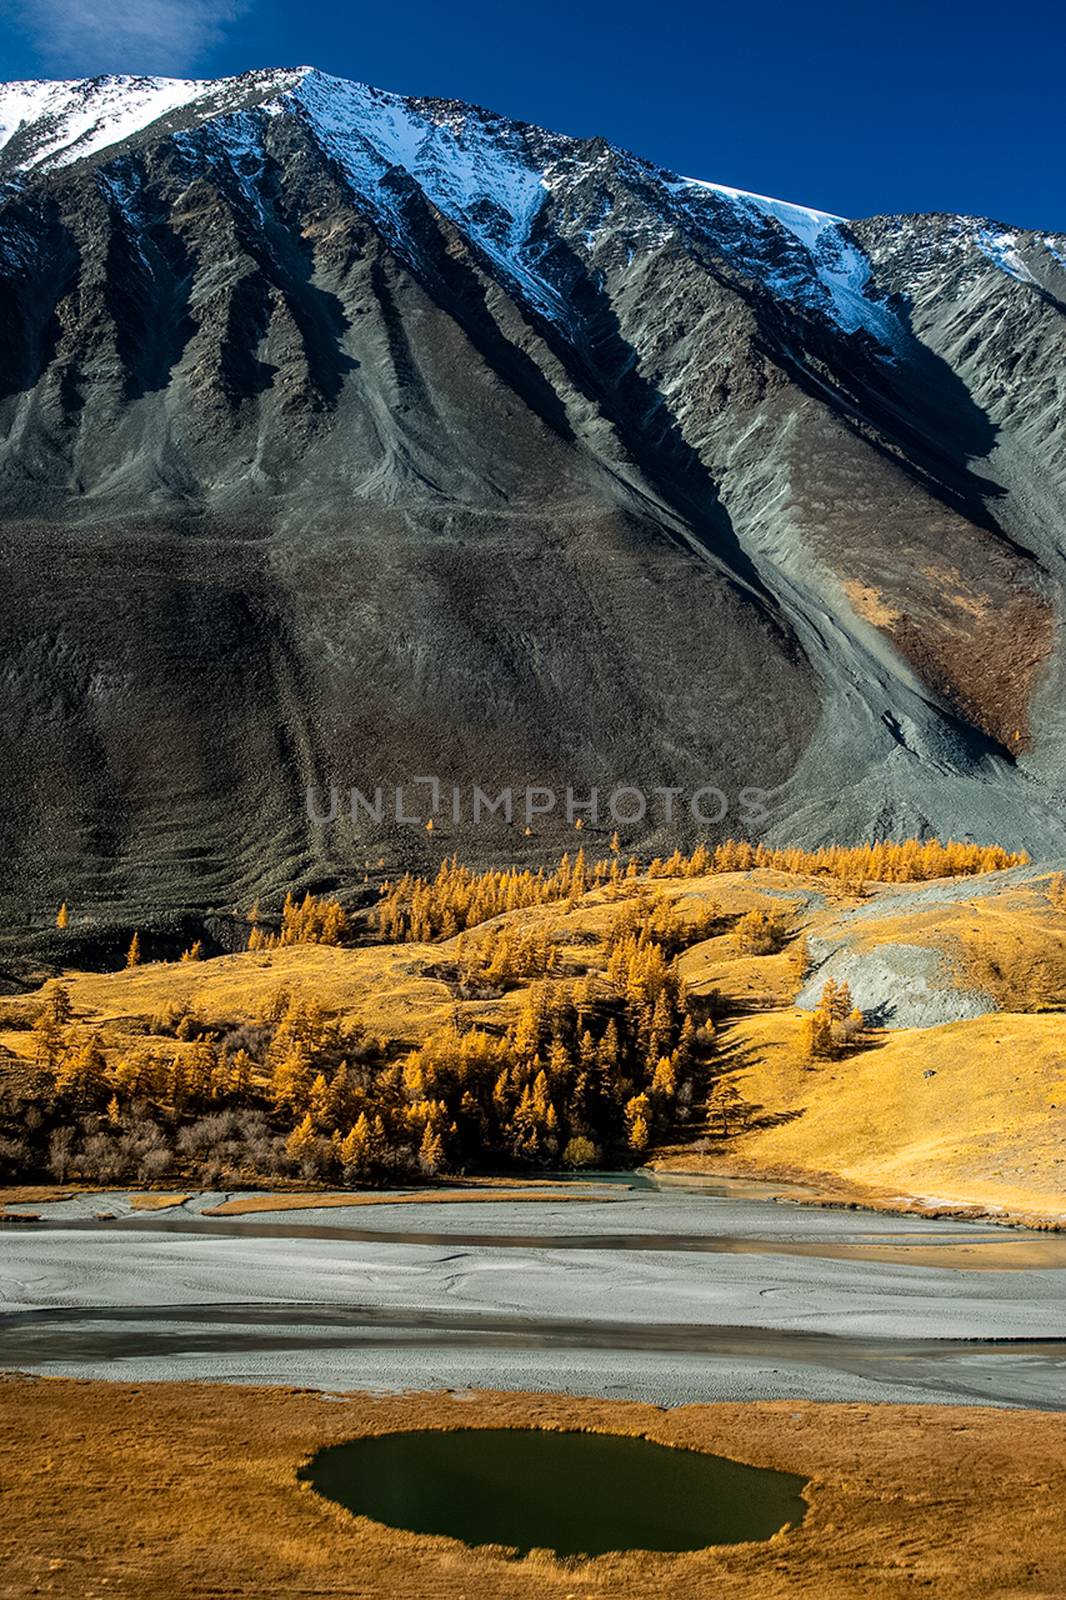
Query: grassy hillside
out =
(967, 1114)
(652, 1018)
(971, 1111)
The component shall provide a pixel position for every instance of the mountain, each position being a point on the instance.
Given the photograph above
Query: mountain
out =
(347, 438)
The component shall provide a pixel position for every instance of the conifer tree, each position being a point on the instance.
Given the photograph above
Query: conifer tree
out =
(841, 1004)
(883, 862)
(63, 916)
(62, 1010)
(320, 1102)
(609, 1052)
(133, 954)
(835, 1022)
(686, 1044)
(334, 926)
(49, 1040)
(82, 1073)
(290, 1088)
(341, 1098)
(356, 1153)
(727, 1105)
(431, 1151)
(819, 1032)
(760, 932)
(664, 1082)
(130, 1079)
(658, 1042)
(301, 1145)
(241, 1069)
(638, 1131)
(177, 1090)
(200, 1069)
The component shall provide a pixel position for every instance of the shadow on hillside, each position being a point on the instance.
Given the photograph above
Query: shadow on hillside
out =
(605, 371)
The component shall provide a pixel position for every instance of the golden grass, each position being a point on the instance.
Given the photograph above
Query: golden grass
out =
(969, 1114)
(28, 1194)
(985, 1129)
(189, 1492)
(157, 1202)
(380, 985)
(1010, 944)
(250, 1204)
(744, 982)
(1007, 1255)
(383, 987)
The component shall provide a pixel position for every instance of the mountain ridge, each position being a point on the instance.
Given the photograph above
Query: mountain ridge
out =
(400, 433)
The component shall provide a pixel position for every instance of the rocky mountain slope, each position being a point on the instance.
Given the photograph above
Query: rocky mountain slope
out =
(346, 438)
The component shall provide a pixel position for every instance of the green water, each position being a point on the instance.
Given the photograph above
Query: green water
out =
(573, 1493)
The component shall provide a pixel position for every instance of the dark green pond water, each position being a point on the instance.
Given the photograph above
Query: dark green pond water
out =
(573, 1493)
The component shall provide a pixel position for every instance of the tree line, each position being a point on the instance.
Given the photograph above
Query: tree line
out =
(459, 897)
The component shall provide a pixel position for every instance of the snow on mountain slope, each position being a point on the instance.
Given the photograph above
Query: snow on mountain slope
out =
(1002, 248)
(843, 270)
(476, 168)
(61, 122)
(491, 175)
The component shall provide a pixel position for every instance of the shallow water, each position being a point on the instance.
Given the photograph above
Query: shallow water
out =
(572, 1493)
(1030, 1371)
(965, 1247)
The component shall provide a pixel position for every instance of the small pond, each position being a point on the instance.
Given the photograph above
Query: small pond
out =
(573, 1493)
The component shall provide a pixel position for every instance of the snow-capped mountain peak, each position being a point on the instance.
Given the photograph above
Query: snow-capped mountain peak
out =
(481, 170)
(521, 195)
(46, 124)
(487, 173)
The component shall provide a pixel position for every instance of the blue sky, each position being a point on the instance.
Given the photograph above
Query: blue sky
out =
(856, 108)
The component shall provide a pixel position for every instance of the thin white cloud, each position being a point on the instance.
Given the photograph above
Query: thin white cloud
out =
(83, 37)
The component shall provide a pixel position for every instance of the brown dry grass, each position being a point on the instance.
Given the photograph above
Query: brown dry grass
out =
(419, 1197)
(188, 1492)
(28, 1194)
(157, 1202)
(1006, 1255)
(870, 604)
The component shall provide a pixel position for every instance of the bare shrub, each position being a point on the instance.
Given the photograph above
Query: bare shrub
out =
(16, 1158)
(252, 1037)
